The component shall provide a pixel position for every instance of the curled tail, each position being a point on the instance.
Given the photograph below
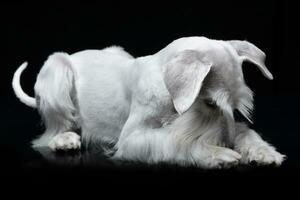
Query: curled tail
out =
(24, 98)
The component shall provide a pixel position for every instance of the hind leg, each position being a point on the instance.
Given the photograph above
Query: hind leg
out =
(58, 138)
(59, 134)
(65, 141)
(57, 103)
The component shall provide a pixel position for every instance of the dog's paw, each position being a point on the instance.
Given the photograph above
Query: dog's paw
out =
(65, 141)
(223, 158)
(262, 155)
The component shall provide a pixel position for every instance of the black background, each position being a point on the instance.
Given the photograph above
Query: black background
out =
(31, 32)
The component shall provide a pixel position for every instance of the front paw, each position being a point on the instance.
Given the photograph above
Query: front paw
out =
(262, 155)
(222, 158)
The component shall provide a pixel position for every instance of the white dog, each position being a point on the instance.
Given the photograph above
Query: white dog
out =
(174, 106)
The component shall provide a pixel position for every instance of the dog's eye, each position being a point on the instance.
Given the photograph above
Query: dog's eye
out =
(210, 103)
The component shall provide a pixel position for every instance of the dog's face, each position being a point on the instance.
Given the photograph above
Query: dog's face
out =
(213, 78)
(224, 89)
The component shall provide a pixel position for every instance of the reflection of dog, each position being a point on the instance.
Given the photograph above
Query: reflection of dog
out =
(174, 106)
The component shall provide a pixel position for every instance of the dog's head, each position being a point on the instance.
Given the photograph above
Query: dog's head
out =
(213, 76)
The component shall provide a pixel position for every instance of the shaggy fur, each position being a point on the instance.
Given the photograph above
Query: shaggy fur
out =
(174, 106)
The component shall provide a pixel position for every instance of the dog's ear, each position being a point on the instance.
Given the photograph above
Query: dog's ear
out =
(249, 52)
(183, 76)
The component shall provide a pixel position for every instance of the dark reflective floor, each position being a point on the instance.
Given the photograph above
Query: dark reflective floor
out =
(91, 159)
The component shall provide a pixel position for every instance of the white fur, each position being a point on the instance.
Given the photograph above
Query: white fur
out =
(174, 106)
(65, 141)
(253, 148)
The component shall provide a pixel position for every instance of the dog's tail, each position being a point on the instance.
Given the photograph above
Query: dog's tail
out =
(24, 98)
